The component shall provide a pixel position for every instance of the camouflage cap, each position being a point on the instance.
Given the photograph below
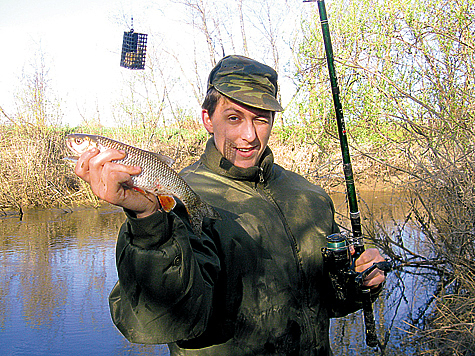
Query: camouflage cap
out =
(246, 81)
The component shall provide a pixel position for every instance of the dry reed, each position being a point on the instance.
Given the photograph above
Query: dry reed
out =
(34, 174)
(32, 170)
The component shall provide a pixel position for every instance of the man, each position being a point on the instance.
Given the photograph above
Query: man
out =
(254, 282)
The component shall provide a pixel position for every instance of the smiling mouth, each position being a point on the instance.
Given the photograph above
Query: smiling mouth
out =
(245, 149)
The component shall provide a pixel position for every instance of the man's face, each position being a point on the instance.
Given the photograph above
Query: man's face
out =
(240, 132)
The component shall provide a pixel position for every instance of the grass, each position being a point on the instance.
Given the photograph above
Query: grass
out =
(31, 169)
(35, 175)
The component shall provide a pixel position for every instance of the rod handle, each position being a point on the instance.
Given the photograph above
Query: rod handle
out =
(370, 325)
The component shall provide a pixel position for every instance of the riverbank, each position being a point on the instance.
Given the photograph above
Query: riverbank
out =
(34, 174)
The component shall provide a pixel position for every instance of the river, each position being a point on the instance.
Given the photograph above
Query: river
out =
(58, 267)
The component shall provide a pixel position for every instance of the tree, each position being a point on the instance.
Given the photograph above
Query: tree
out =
(219, 25)
(406, 72)
(36, 101)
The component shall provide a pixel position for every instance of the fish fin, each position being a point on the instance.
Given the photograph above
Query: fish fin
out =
(164, 159)
(137, 189)
(198, 213)
(167, 202)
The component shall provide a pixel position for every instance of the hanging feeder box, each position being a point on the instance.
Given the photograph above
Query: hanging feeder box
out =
(134, 47)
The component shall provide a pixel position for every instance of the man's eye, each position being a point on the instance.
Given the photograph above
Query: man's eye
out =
(262, 120)
(233, 118)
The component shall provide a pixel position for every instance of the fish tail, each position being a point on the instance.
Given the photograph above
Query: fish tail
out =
(198, 212)
(210, 212)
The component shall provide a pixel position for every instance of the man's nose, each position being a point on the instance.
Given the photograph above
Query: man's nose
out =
(249, 131)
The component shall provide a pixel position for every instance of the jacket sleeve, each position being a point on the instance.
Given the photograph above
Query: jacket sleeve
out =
(166, 277)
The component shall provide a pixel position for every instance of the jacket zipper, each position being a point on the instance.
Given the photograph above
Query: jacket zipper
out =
(259, 187)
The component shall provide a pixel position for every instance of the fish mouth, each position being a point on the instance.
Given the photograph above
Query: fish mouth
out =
(69, 145)
(71, 159)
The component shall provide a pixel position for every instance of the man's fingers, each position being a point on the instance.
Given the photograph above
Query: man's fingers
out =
(111, 181)
(101, 167)
(367, 260)
(106, 156)
(82, 165)
(113, 168)
(375, 278)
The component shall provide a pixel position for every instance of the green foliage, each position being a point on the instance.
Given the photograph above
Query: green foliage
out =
(404, 61)
(406, 75)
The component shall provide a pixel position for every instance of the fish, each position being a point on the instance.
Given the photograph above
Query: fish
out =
(157, 176)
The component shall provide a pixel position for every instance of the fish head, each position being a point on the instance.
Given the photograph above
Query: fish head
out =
(80, 143)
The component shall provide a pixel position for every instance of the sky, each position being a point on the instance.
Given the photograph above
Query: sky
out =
(80, 41)
(77, 40)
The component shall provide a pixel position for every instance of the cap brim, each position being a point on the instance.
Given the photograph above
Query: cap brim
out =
(265, 102)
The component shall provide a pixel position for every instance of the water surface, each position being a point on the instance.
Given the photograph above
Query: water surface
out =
(57, 269)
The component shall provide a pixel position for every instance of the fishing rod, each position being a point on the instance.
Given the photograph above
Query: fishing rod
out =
(337, 247)
(347, 168)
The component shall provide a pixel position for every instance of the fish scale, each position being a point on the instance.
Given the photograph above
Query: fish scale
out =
(156, 177)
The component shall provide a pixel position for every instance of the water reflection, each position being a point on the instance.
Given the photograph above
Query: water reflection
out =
(56, 271)
(404, 299)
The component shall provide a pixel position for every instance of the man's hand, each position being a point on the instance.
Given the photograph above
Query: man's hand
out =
(112, 182)
(365, 261)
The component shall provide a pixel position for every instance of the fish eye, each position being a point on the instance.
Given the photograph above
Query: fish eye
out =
(78, 140)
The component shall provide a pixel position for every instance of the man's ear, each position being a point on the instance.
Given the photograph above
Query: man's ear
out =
(208, 124)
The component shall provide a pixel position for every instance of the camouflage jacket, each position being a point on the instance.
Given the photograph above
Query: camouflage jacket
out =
(253, 284)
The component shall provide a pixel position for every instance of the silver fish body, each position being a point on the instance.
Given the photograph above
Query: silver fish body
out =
(156, 177)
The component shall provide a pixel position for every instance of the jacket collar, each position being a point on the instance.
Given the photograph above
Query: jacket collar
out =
(215, 161)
